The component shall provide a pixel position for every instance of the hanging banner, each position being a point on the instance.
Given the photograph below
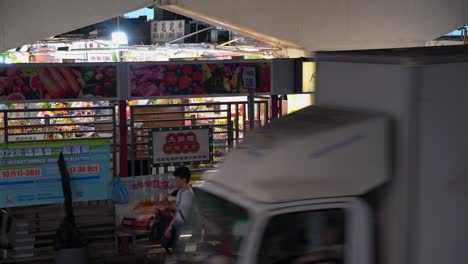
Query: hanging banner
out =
(57, 82)
(153, 80)
(181, 145)
(145, 195)
(110, 56)
(164, 31)
(29, 174)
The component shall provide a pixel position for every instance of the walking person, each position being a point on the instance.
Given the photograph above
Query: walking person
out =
(184, 201)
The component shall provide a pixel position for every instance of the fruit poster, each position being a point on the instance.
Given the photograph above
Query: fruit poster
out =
(29, 174)
(181, 145)
(153, 80)
(57, 82)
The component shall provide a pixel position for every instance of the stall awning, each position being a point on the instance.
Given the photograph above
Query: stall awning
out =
(27, 21)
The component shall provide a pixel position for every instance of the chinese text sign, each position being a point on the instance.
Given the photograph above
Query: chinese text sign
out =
(162, 31)
(29, 173)
(184, 145)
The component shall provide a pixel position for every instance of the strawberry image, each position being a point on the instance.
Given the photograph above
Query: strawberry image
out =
(185, 82)
(197, 90)
(11, 72)
(110, 73)
(172, 67)
(25, 89)
(197, 76)
(156, 92)
(187, 70)
(97, 89)
(3, 85)
(170, 79)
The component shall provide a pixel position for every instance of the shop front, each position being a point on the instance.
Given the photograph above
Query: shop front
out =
(105, 118)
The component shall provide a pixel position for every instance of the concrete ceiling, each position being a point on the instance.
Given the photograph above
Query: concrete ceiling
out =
(27, 21)
(297, 24)
(331, 24)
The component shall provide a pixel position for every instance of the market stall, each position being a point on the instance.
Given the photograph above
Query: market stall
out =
(50, 109)
(118, 108)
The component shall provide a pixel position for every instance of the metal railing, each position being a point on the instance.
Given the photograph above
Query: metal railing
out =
(64, 124)
(229, 121)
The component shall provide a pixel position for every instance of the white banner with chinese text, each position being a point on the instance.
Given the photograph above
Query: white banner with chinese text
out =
(163, 31)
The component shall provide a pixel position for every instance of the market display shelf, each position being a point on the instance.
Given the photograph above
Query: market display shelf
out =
(197, 124)
(182, 112)
(59, 132)
(32, 126)
(71, 116)
(178, 119)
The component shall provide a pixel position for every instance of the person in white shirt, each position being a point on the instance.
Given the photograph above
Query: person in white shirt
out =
(184, 200)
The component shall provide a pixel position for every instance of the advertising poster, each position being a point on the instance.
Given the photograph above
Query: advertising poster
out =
(152, 80)
(55, 82)
(181, 145)
(146, 194)
(29, 173)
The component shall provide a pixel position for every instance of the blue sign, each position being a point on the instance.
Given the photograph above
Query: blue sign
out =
(29, 172)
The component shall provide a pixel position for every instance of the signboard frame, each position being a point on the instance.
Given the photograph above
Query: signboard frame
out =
(158, 27)
(178, 129)
(280, 71)
(244, 63)
(32, 167)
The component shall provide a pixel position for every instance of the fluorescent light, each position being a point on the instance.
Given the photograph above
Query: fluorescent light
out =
(120, 38)
(186, 235)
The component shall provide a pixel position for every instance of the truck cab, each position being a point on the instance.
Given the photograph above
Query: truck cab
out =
(297, 199)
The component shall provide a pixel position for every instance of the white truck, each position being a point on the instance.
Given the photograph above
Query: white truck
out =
(348, 186)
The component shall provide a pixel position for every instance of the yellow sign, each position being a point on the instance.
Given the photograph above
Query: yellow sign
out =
(309, 70)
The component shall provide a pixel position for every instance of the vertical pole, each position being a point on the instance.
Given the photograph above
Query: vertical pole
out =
(5, 125)
(133, 147)
(252, 108)
(123, 138)
(230, 127)
(274, 107)
(465, 36)
(259, 112)
(280, 103)
(237, 123)
(114, 143)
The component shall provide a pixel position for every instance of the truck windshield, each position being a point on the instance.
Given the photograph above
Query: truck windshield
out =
(212, 233)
